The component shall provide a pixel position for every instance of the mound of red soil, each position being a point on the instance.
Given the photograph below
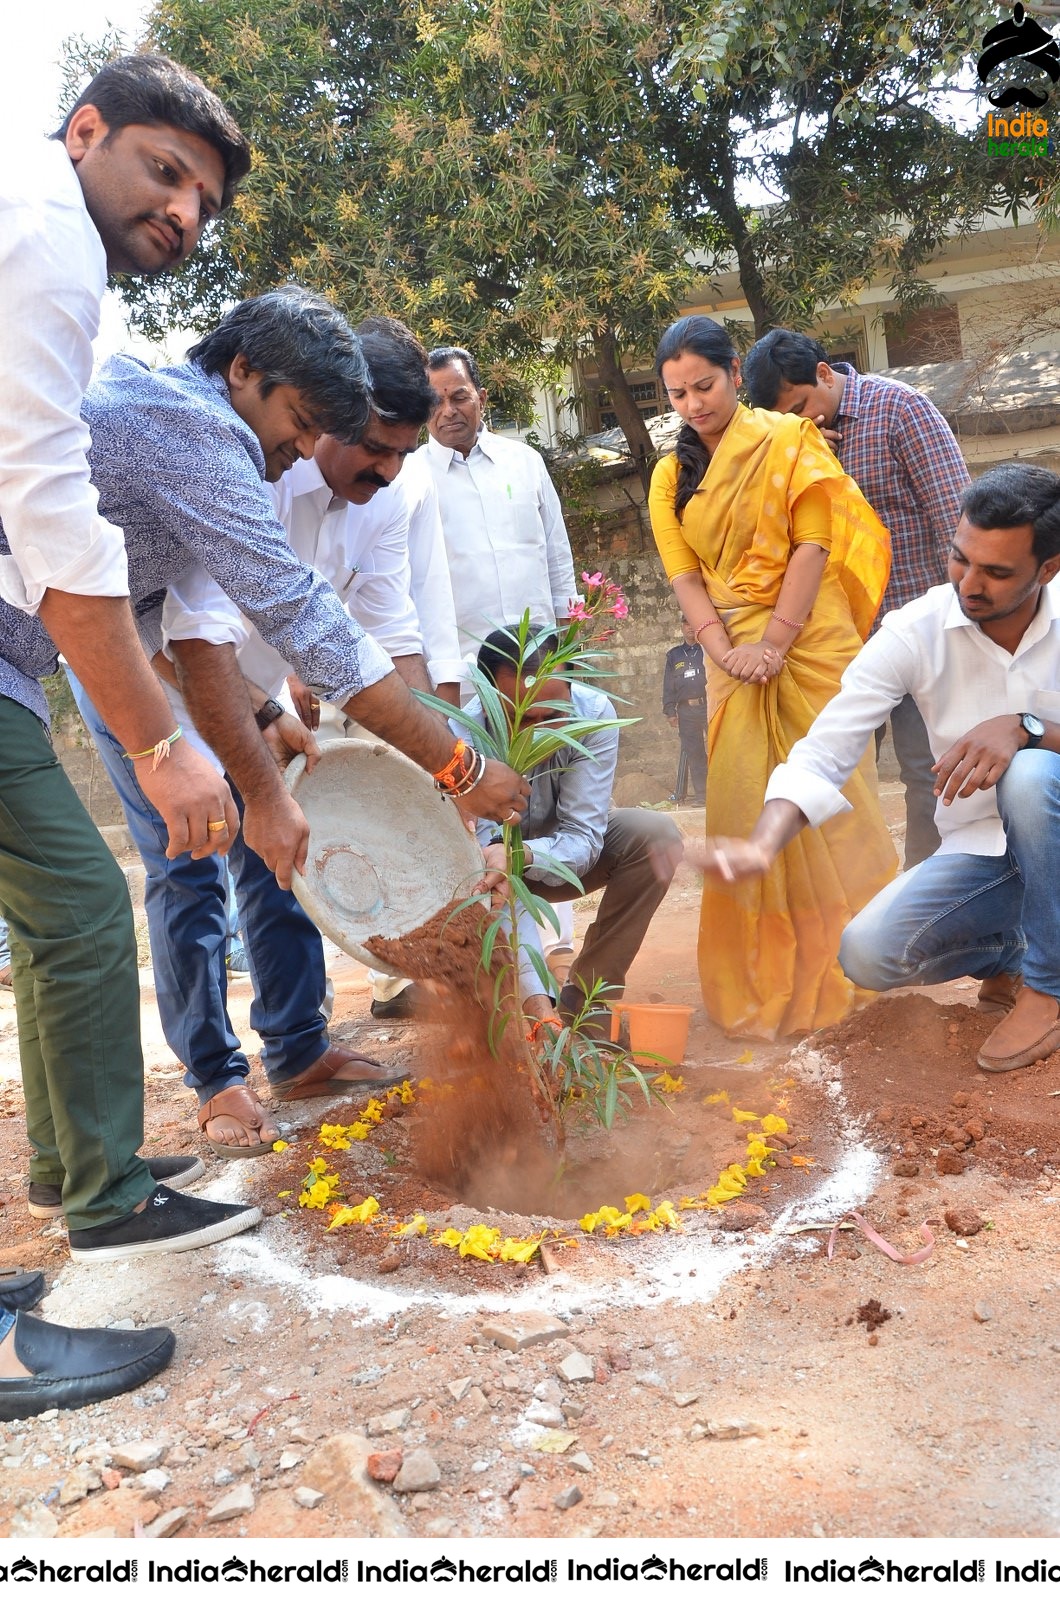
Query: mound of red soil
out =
(908, 1067)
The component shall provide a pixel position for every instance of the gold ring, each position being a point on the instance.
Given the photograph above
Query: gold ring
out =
(217, 827)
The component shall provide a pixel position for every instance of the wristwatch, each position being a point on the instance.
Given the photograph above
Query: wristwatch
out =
(267, 714)
(1034, 728)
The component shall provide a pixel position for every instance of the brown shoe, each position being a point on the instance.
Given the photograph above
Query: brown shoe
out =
(1029, 1033)
(239, 1105)
(998, 994)
(319, 1077)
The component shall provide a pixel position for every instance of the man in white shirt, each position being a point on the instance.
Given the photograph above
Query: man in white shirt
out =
(504, 535)
(505, 538)
(144, 160)
(986, 904)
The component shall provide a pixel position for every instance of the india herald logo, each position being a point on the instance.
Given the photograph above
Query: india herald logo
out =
(1019, 39)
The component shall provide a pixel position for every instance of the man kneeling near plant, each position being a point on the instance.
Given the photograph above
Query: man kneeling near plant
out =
(563, 734)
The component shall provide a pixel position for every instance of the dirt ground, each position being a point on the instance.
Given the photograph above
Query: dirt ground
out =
(727, 1379)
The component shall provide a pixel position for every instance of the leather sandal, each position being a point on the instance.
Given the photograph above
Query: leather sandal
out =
(243, 1107)
(319, 1077)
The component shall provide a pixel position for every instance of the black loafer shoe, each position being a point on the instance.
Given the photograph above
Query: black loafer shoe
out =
(406, 1005)
(169, 1222)
(19, 1290)
(176, 1172)
(71, 1367)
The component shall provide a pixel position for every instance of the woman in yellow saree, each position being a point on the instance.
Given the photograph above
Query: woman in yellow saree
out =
(779, 563)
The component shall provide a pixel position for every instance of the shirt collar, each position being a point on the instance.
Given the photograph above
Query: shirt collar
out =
(446, 456)
(1047, 614)
(306, 478)
(851, 401)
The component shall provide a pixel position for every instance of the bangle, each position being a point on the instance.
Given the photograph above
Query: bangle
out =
(268, 713)
(787, 621)
(158, 751)
(715, 622)
(464, 773)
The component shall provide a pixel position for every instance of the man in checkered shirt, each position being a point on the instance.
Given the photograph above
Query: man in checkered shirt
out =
(900, 452)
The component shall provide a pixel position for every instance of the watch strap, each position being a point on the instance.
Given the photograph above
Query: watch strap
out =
(267, 714)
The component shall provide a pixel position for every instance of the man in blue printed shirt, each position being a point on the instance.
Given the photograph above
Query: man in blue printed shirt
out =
(182, 456)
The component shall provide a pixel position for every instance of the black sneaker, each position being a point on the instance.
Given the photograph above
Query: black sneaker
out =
(176, 1172)
(169, 1222)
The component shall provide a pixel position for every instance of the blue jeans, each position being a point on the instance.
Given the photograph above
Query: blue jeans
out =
(957, 916)
(187, 920)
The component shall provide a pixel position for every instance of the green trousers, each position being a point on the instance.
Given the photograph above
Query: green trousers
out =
(77, 993)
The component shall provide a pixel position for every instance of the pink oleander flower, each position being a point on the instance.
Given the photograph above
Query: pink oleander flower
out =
(594, 581)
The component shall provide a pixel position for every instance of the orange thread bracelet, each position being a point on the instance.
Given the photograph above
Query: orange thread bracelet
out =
(447, 772)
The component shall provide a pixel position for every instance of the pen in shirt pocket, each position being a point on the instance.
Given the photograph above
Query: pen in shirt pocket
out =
(509, 489)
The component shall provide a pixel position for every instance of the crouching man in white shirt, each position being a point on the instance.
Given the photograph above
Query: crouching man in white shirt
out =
(982, 661)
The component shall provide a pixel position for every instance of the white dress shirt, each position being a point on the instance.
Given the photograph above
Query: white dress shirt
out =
(958, 677)
(432, 589)
(505, 540)
(363, 552)
(53, 272)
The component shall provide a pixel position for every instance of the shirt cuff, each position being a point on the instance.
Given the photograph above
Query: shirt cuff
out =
(447, 670)
(101, 570)
(373, 665)
(816, 797)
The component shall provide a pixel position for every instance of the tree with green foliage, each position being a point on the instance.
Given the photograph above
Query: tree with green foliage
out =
(486, 170)
(527, 177)
(848, 118)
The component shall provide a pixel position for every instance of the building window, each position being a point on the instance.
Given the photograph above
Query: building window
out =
(919, 338)
(645, 392)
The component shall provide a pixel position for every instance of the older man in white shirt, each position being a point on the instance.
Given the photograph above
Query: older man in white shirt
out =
(505, 538)
(981, 658)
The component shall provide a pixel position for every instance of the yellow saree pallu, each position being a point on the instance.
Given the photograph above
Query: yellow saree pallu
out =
(768, 946)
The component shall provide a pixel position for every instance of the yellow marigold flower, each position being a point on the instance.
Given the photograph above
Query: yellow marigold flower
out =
(333, 1136)
(451, 1238)
(418, 1225)
(316, 1196)
(318, 1165)
(480, 1241)
(347, 1214)
(743, 1116)
(773, 1124)
(637, 1202)
(373, 1112)
(520, 1249)
(754, 1168)
(360, 1130)
(280, 1144)
(756, 1147)
(719, 1098)
(590, 1222)
(407, 1094)
(664, 1212)
(668, 1085)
